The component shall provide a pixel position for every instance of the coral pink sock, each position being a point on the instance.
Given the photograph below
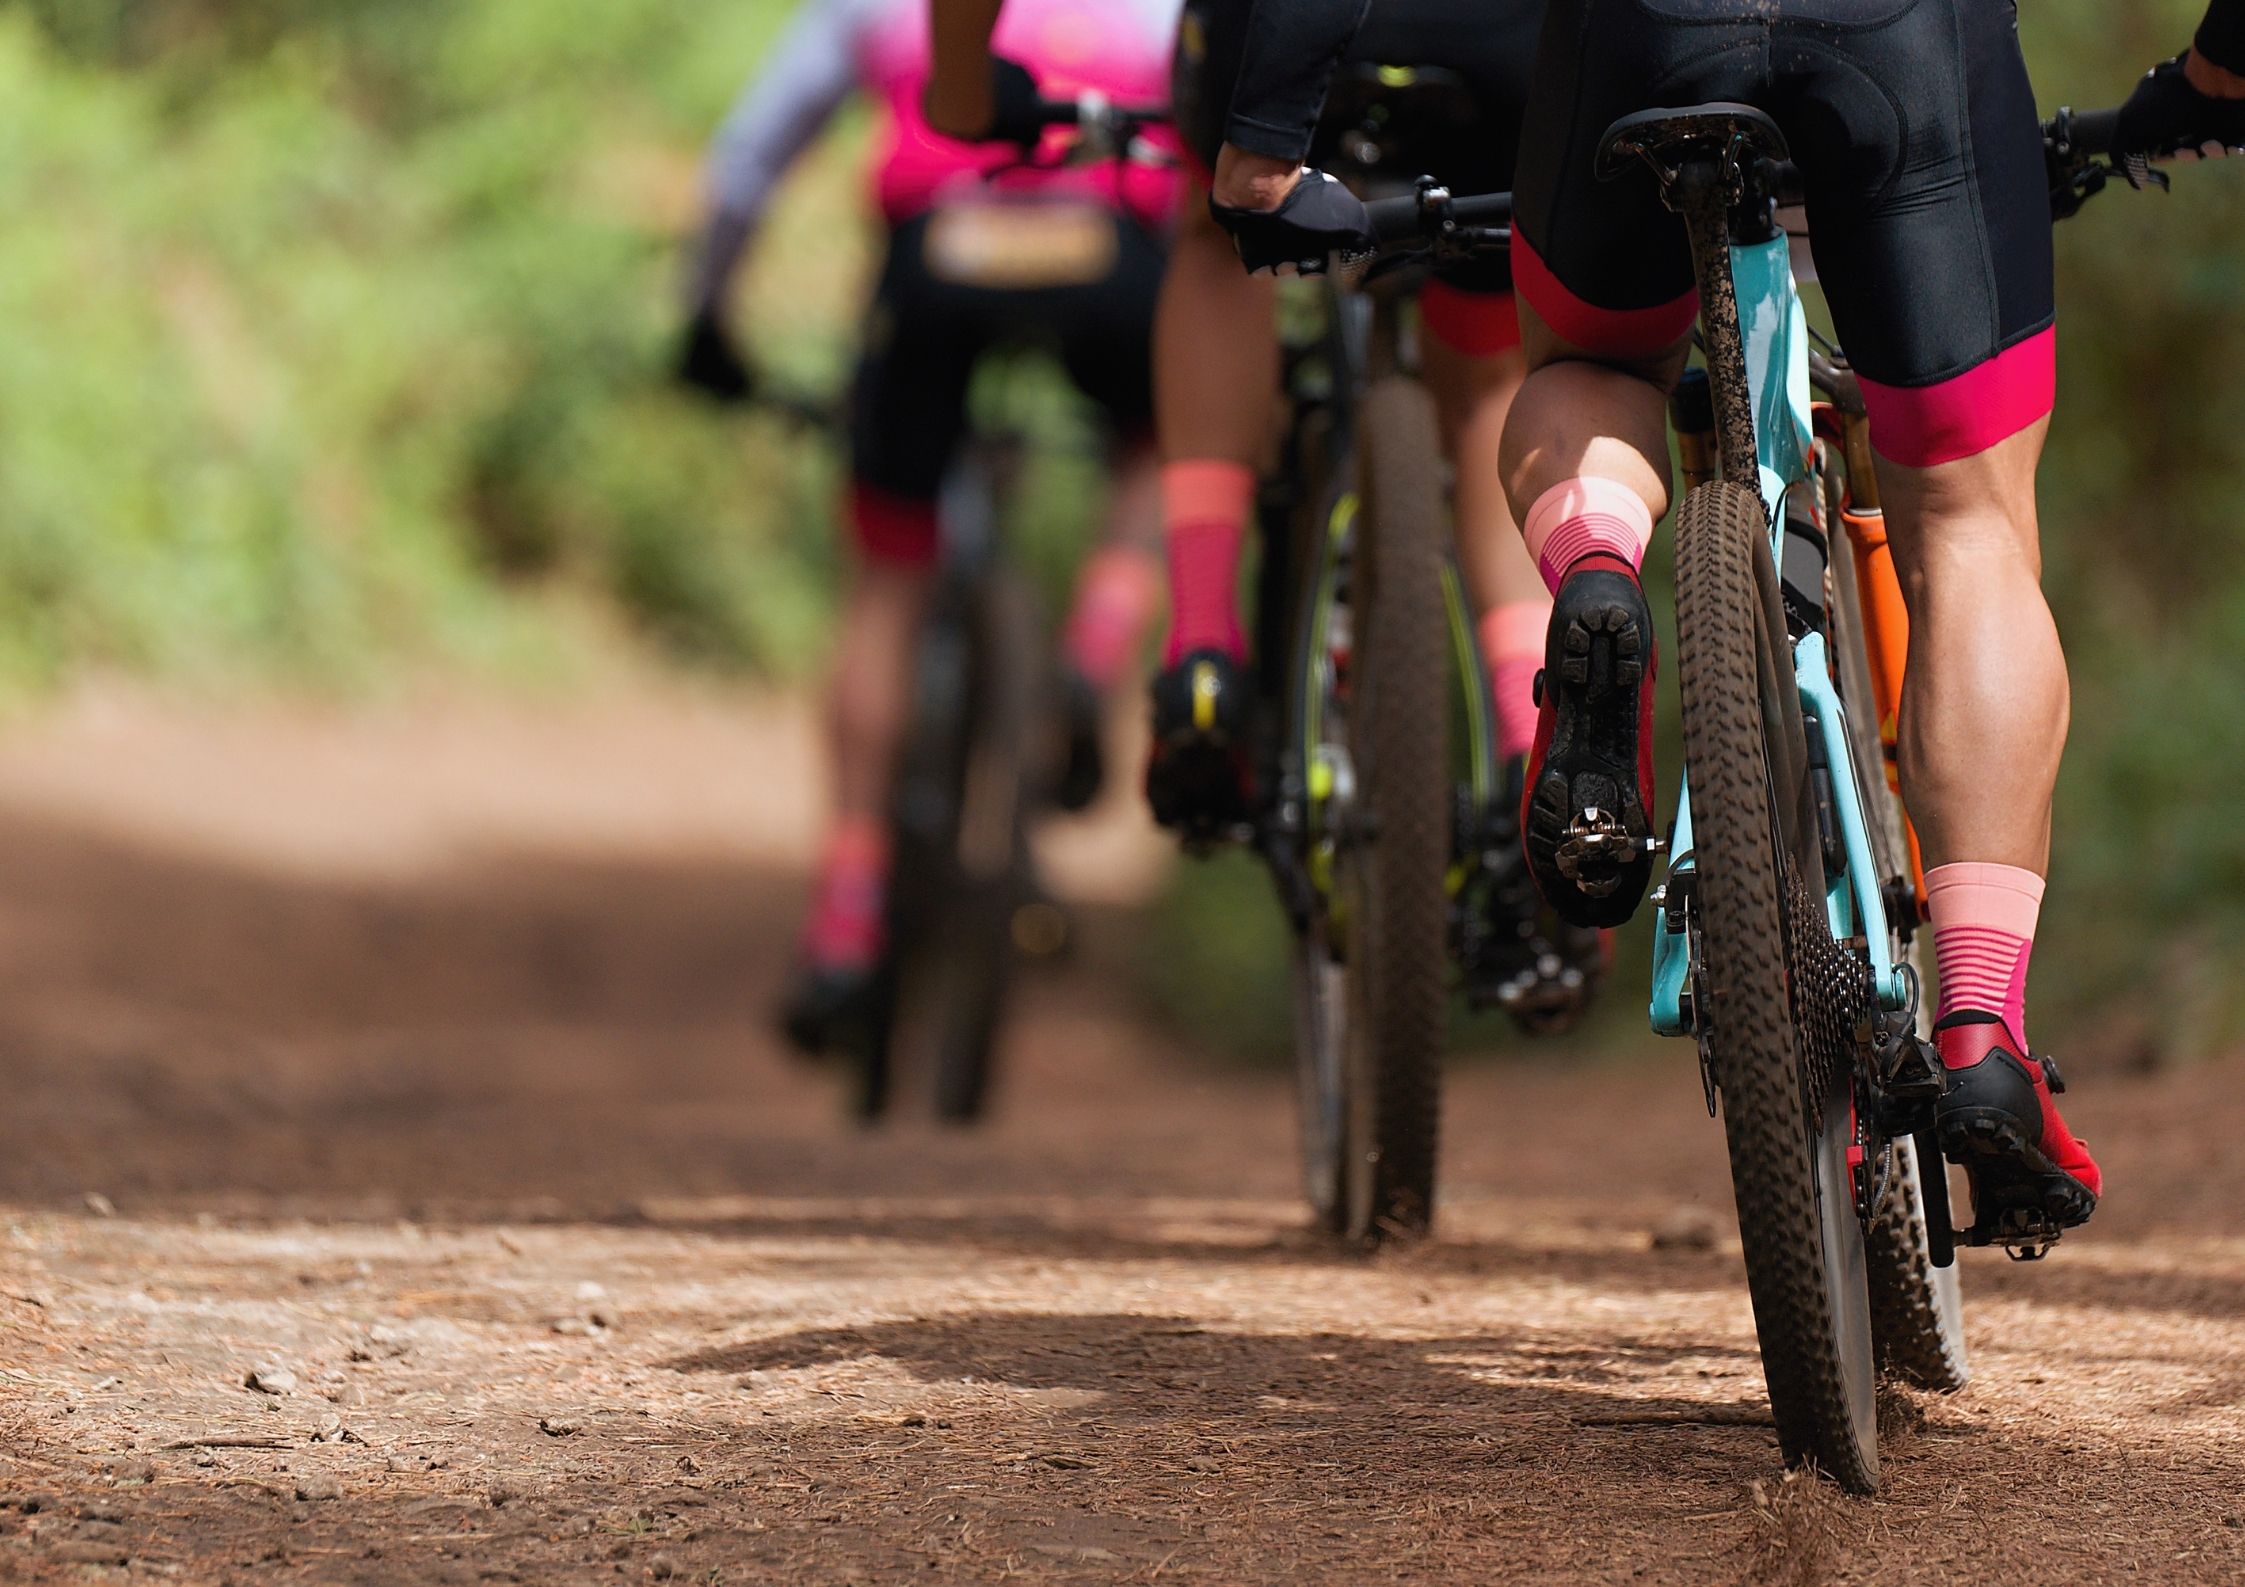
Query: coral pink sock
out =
(1205, 502)
(1512, 641)
(1983, 932)
(848, 895)
(1584, 516)
(1115, 598)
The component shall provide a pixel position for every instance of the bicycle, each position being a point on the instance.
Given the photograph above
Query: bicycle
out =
(963, 904)
(1383, 811)
(1784, 937)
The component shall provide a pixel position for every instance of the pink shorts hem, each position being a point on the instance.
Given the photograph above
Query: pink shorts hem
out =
(1919, 426)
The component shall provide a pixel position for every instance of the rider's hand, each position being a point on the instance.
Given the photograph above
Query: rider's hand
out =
(1004, 108)
(1317, 218)
(2183, 108)
(710, 363)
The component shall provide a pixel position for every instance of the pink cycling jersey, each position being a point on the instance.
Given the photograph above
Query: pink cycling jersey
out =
(833, 48)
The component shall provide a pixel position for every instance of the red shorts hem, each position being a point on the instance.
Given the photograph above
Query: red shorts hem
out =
(1477, 324)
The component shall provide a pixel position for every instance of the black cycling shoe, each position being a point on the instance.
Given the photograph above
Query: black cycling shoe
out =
(829, 1009)
(1522, 958)
(1589, 821)
(1083, 749)
(1198, 777)
(2031, 1178)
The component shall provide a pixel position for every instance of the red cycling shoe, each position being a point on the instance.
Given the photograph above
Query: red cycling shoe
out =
(2031, 1177)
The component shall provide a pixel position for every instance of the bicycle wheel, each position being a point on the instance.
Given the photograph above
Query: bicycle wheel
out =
(1917, 1309)
(1769, 997)
(1389, 869)
(959, 832)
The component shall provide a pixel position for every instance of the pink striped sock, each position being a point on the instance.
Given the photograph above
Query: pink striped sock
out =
(1205, 502)
(1983, 933)
(849, 895)
(1116, 595)
(1580, 516)
(1512, 638)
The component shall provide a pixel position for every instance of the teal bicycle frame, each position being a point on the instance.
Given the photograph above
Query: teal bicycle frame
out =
(1774, 329)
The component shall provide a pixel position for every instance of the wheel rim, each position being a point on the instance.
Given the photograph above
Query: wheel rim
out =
(1846, 1268)
(1320, 1015)
(1323, 1000)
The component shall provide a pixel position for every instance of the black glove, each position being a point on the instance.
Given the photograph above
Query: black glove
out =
(1320, 217)
(2166, 116)
(1016, 108)
(708, 361)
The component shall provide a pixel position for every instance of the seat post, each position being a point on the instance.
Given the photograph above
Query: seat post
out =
(1702, 194)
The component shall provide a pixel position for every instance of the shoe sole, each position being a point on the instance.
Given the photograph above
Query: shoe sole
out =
(1592, 759)
(2017, 1191)
(1194, 790)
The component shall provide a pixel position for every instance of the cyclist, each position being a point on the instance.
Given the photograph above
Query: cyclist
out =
(1093, 268)
(1216, 379)
(1929, 211)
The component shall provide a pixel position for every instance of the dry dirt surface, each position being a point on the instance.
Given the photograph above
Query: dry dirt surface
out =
(398, 1183)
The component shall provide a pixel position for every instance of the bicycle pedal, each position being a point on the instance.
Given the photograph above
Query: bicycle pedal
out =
(1915, 1073)
(2025, 1235)
(1598, 848)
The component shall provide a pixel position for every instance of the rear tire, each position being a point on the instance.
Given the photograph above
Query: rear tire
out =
(1390, 878)
(1917, 1308)
(1803, 1242)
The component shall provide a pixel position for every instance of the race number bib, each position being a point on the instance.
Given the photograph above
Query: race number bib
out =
(1021, 247)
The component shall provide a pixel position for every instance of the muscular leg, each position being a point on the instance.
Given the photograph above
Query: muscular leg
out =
(1215, 390)
(1215, 382)
(1985, 699)
(1215, 347)
(867, 700)
(1585, 462)
(1578, 417)
(868, 691)
(1472, 397)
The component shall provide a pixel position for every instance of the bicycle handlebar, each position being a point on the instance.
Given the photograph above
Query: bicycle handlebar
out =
(1432, 214)
(1107, 131)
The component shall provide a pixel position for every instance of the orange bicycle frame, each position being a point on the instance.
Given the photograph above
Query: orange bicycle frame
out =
(1886, 621)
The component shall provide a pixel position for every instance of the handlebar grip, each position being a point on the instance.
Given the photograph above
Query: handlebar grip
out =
(1401, 220)
(1483, 209)
(2086, 131)
(2094, 130)
(1393, 219)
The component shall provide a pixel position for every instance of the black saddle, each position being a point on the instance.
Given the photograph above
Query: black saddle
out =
(1668, 139)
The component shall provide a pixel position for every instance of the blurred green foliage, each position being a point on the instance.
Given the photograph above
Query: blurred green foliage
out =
(337, 333)
(335, 336)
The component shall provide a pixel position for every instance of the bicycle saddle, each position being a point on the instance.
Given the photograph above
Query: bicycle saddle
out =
(1667, 138)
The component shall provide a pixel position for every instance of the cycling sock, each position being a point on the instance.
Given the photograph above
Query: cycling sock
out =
(1205, 503)
(1512, 638)
(848, 895)
(1983, 932)
(1116, 595)
(1583, 516)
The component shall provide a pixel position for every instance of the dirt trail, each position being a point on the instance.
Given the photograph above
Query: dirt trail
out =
(421, 1059)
